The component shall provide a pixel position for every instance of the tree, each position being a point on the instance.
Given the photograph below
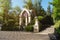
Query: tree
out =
(17, 8)
(38, 8)
(49, 10)
(5, 6)
(17, 11)
(56, 16)
(28, 4)
(14, 15)
(56, 10)
(35, 6)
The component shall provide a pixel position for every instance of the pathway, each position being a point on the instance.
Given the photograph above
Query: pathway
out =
(8, 35)
(48, 30)
(17, 35)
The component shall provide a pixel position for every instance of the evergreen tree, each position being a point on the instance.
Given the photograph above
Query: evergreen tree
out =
(17, 8)
(28, 4)
(49, 10)
(5, 6)
(38, 8)
(35, 6)
(14, 14)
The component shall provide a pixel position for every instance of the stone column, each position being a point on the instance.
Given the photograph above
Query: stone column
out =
(20, 21)
(29, 19)
(36, 25)
(26, 21)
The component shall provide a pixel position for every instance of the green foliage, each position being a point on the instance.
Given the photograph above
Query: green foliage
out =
(29, 28)
(39, 11)
(12, 23)
(4, 7)
(56, 10)
(35, 6)
(17, 8)
(32, 22)
(1, 19)
(56, 15)
(48, 20)
(5, 4)
(28, 4)
(57, 26)
(49, 10)
(40, 18)
(11, 20)
(40, 27)
(10, 26)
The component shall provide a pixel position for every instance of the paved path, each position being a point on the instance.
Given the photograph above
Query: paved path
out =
(11, 35)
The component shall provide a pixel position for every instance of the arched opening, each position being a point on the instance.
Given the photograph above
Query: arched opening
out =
(25, 17)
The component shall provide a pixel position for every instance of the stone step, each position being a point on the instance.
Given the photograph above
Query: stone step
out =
(49, 30)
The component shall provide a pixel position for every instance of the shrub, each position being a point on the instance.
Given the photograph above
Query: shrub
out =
(32, 22)
(40, 18)
(57, 26)
(1, 19)
(29, 28)
(40, 27)
(10, 26)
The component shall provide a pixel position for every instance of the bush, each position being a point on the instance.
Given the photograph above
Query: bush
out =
(57, 26)
(1, 19)
(10, 26)
(32, 22)
(40, 18)
(40, 27)
(29, 28)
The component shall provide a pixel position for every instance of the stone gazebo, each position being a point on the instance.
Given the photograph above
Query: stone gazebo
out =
(25, 17)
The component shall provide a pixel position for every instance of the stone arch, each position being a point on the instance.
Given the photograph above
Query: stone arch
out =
(27, 19)
(26, 11)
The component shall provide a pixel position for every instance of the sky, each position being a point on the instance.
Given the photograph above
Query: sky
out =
(20, 3)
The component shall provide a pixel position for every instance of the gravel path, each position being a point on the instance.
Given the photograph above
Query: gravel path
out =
(16, 35)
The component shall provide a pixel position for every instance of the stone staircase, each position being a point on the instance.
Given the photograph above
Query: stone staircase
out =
(48, 30)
